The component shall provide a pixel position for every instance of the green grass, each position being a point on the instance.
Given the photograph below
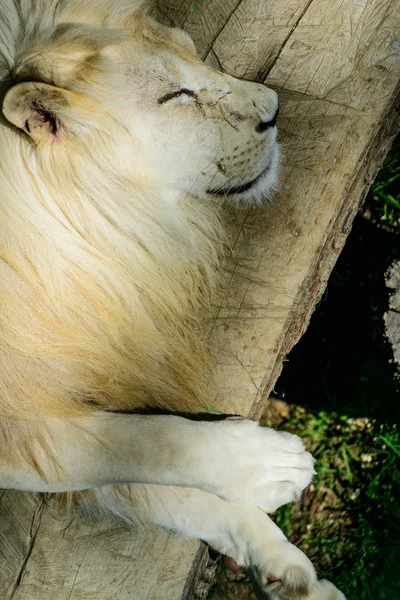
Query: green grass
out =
(353, 537)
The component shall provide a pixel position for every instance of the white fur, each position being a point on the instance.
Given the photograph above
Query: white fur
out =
(110, 241)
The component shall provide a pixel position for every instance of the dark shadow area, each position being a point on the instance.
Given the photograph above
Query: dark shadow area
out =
(342, 363)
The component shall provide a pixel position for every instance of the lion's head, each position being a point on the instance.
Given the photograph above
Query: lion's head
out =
(112, 130)
(105, 65)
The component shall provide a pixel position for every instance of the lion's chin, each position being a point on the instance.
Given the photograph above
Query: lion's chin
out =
(258, 189)
(240, 189)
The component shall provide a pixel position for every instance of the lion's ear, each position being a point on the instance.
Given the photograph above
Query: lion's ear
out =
(39, 109)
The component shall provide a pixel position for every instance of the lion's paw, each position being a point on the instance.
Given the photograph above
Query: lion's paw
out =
(289, 575)
(285, 570)
(282, 570)
(325, 590)
(259, 466)
(321, 590)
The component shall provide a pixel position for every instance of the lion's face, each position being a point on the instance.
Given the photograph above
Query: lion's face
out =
(190, 127)
(199, 130)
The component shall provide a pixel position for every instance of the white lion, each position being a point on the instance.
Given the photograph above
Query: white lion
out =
(116, 143)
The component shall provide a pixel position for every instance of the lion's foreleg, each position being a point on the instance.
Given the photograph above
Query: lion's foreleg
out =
(70, 454)
(244, 533)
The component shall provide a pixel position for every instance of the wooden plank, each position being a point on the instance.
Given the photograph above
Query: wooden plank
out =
(282, 255)
(20, 516)
(73, 557)
(241, 37)
(250, 42)
(336, 65)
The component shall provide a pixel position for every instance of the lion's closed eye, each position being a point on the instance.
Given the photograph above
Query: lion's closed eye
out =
(176, 94)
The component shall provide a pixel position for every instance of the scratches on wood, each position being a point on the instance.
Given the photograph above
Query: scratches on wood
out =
(33, 531)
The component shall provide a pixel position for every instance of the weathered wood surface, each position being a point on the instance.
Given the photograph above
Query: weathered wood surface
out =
(392, 317)
(336, 66)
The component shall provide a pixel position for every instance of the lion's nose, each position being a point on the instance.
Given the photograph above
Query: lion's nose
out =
(263, 125)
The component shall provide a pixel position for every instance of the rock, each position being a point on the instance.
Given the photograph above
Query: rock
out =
(392, 317)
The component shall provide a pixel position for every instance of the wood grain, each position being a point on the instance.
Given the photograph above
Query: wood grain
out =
(336, 66)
